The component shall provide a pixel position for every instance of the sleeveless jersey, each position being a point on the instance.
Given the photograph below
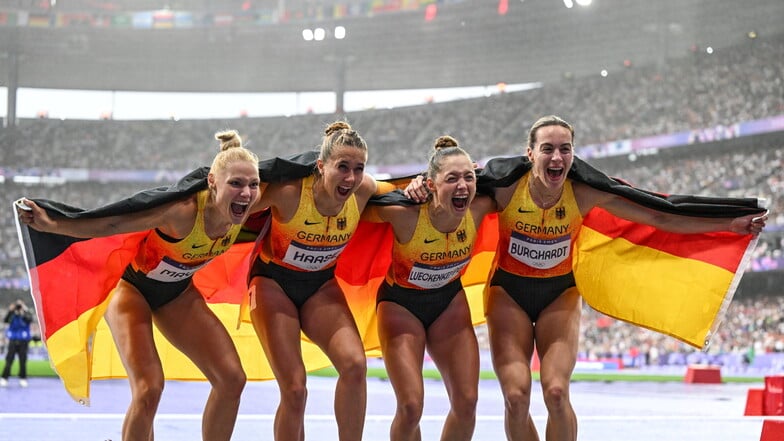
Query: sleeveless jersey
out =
(166, 259)
(431, 259)
(310, 241)
(536, 242)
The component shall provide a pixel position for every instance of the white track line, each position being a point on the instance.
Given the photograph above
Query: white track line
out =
(326, 417)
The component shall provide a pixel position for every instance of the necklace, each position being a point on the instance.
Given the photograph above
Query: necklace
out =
(539, 200)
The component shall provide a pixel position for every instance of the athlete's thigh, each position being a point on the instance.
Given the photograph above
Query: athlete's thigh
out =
(276, 322)
(511, 335)
(129, 318)
(402, 339)
(557, 336)
(190, 326)
(451, 342)
(328, 322)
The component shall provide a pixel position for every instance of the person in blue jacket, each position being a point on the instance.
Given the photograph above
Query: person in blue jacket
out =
(18, 319)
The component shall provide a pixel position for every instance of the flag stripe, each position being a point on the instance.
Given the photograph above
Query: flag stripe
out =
(650, 287)
(707, 247)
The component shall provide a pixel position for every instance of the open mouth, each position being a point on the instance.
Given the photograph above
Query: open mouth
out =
(344, 191)
(239, 208)
(555, 173)
(460, 202)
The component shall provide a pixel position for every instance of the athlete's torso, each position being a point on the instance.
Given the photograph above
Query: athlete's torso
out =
(536, 242)
(310, 241)
(167, 259)
(431, 259)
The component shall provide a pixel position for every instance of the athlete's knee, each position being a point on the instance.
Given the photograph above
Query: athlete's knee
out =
(464, 406)
(556, 398)
(517, 401)
(409, 412)
(294, 396)
(146, 393)
(354, 369)
(231, 384)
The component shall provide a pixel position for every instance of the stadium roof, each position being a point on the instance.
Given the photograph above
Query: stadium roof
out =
(467, 43)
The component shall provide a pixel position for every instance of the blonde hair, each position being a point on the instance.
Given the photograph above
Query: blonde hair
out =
(444, 147)
(340, 133)
(231, 150)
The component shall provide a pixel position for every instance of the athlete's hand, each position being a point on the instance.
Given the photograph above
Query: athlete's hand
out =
(33, 216)
(751, 224)
(417, 190)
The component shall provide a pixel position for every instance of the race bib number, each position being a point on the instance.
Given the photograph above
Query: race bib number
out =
(169, 270)
(310, 257)
(430, 277)
(539, 253)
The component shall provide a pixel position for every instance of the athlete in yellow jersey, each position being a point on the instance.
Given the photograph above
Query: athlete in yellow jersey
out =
(181, 237)
(164, 265)
(293, 289)
(422, 304)
(424, 275)
(301, 253)
(537, 243)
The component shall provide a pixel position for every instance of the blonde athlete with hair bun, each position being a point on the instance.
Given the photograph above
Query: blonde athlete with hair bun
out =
(156, 287)
(293, 289)
(422, 305)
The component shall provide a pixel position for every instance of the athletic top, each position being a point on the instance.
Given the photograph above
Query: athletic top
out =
(310, 241)
(536, 242)
(166, 259)
(431, 259)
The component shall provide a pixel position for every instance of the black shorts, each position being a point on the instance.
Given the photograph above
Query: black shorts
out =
(298, 286)
(156, 293)
(533, 294)
(426, 305)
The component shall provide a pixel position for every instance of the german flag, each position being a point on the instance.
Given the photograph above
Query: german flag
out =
(679, 285)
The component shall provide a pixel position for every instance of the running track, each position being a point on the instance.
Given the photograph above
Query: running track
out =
(672, 411)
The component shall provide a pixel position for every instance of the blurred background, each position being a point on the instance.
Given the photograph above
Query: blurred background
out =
(104, 98)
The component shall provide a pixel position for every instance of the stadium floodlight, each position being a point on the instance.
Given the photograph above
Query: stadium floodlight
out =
(584, 3)
(319, 34)
(340, 32)
(568, 3)
(307, 34)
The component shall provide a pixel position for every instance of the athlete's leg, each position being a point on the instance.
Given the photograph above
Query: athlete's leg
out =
(511, 336)
(451, 341)
(557, 334)
(402, 338)
(327, 321)
(276, 321)
(130, 321)
(194, 329)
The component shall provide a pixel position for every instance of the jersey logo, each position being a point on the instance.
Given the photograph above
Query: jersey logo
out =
(341, 223)
(226, 241)
(560, 213)
(430, 240)
(520, 210)
(307, 222)
(461, 236)
(194, 246)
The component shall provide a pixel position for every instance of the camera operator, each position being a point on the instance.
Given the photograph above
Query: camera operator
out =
(18, 319)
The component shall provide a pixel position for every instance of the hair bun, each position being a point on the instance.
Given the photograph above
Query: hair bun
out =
(229, 139)
(445, 141)
(337, 126)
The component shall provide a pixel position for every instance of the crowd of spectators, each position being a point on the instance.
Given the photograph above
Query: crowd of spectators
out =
(729, 86)
(723, 89)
